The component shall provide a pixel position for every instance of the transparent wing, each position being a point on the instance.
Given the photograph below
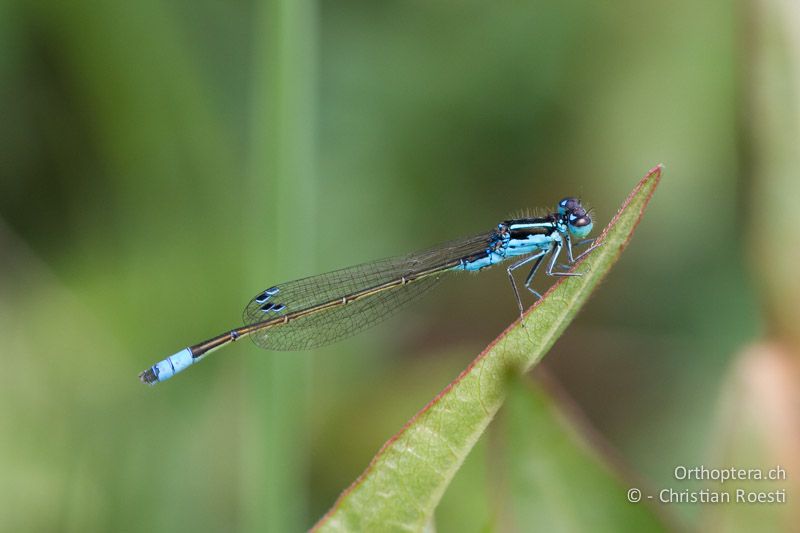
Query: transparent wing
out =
(340, 321)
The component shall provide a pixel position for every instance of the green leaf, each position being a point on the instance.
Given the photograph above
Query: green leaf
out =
(552, 477)
(403, 484)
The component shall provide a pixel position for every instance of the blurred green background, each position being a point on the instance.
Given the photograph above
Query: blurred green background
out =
(160, 163)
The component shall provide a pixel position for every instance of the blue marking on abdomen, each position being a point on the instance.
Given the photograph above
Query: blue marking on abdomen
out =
(173, 364)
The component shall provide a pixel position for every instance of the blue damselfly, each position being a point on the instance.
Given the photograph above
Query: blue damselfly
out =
(319, 310)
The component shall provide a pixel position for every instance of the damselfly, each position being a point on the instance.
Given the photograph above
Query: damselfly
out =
(319, 310)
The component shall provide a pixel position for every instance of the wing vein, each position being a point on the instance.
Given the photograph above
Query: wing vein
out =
(328, 307)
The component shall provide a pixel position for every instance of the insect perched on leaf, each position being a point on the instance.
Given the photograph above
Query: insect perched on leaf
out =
(318, 310)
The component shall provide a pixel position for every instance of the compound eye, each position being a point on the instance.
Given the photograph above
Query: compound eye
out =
(579, 221)
(568, 204)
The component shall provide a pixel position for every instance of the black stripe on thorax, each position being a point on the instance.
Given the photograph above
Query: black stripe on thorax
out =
(534, 226)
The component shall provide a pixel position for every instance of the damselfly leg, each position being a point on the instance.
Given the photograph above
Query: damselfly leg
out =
(538, 257)
(531, 275)
(556, 251)
(570, 247)
(589, 250)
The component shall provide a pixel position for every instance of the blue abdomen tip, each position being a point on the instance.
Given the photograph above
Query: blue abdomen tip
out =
(163, 370)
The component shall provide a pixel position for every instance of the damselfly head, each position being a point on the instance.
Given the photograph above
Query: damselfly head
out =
(579, 222)
(573, 213)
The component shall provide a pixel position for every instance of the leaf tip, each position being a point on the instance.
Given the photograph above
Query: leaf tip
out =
(656, 171)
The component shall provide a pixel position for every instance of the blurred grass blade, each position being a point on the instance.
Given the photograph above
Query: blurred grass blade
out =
(280, 195)
(406, 479)
(551, 478)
